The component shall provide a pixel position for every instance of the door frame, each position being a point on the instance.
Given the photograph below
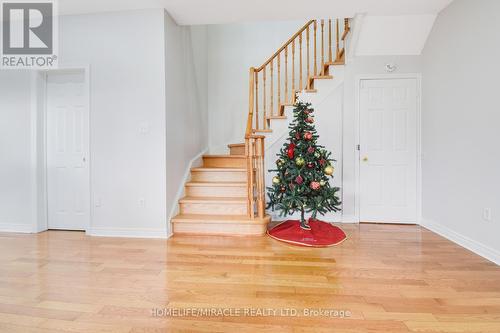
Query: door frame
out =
(357, 119)
(39, 134)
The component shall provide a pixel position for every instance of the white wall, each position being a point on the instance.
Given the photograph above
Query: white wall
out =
(461, 125)
(186, 103)
(125, 51)
(393, 35)
(232, 50)
(16, 166)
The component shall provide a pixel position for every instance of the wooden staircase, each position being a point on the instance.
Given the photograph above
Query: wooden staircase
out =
(226, 196)
(215, 200)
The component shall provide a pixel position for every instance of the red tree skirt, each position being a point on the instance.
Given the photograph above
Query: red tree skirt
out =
(322, 234)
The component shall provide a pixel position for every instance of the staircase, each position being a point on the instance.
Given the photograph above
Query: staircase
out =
(226, 195)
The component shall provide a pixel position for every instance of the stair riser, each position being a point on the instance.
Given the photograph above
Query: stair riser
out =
(220, 229)
(216, 191)
(214, 208)
(221, 162)
(237, 150)
(214, 176)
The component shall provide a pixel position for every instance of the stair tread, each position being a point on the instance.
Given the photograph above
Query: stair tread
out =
(276, 117)
(197, 218)
(224, 156)
(211, 169)
(187, 199)
(236, 145)
(216, 184)
(315, 77)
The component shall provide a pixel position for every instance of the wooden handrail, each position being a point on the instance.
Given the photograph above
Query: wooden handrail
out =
(258, 95)
(285, 45)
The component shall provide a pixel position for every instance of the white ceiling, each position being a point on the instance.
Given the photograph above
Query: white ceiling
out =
(190, 12)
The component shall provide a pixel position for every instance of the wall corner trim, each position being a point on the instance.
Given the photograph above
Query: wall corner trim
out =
(466, 242)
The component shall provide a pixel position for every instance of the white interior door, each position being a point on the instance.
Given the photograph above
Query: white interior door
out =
(67, 151)
(388, 150)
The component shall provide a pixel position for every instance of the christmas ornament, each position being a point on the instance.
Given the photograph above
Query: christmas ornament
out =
(308, 136)
(280, 162)
(276, 180)
(315, 185)
(283, 189)
(299, 180)
(297, 136)
(317, 154)
(291, 151)
(310, 150)
(322, 183)
(322, 162)
(299, 161)
(310, 165)
(328, 170)
(310, 120)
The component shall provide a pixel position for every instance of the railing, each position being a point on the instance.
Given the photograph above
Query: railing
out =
(274, 85)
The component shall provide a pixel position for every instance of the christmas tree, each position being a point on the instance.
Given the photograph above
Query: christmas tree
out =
(304, 169)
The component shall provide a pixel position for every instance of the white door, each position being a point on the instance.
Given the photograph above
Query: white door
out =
(67, 151)
(388, 150)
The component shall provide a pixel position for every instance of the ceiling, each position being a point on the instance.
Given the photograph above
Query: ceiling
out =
(191, 12)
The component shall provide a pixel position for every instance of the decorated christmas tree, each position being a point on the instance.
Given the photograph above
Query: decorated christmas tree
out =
(304, 170)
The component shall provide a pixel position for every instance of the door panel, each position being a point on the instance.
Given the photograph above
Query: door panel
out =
(67, 151)
(388, 151)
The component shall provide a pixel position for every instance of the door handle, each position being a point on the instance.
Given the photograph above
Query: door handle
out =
(365, 159)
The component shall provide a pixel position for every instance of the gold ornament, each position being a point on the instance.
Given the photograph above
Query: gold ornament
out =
(322, 183)
(276, 180)
(329, 170)
(300, 161)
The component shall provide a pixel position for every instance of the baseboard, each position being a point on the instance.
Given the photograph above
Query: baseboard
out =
(470, 244)
(128, 232)
(174, 210)
(17, 228)
(350, 219)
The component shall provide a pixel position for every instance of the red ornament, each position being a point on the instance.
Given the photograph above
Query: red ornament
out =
(299, 180)
(315, 185)
(291, 151)
(310, 120)
(310, 165)
(310, 150)
(297, 136)
(308, 136)
(322, 162)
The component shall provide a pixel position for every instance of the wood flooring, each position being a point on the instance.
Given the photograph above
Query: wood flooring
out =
(383, 278)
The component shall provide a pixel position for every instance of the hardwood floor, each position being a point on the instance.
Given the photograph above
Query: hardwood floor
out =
(390, 278)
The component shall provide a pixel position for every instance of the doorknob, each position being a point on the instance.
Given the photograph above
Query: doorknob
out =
(84, 159)
(365, 159)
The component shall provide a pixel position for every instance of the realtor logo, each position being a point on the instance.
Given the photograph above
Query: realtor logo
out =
(28, 34)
